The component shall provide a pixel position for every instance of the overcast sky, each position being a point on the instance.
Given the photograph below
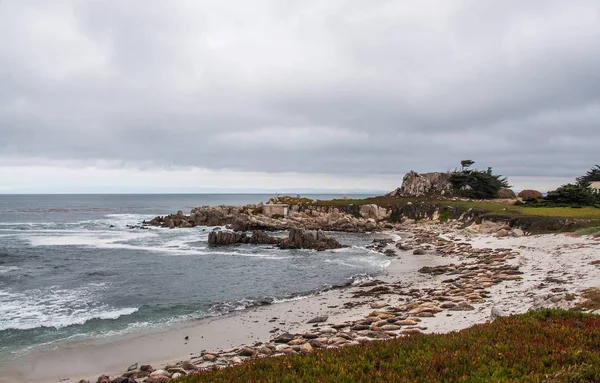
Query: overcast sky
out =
(130, 96)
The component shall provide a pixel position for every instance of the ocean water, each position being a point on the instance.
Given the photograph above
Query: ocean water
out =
(70, 268)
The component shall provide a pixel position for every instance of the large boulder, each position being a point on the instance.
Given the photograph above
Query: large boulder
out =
(222, 237)
(297, 239)
(374, 212)
(260, 237)
(309, 239)
(417, 185)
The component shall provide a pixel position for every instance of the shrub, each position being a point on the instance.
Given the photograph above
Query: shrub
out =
(525, 194)
(572, 195)
(506, 193)
(477, 184)
(592, 175)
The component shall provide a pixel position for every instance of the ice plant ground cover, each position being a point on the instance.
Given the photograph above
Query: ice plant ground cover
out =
(551, 345)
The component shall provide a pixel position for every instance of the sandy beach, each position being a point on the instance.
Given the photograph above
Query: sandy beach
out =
(551, 265)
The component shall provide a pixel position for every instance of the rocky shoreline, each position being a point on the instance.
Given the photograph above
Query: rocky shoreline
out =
(250, 217)
(465, 290)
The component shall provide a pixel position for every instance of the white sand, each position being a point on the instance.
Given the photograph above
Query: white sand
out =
(557, 256)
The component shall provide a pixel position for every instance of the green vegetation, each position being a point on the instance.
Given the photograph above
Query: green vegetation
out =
(554, 346)
(593, 230)
(573, 195)
(592, 175)
(476, 184)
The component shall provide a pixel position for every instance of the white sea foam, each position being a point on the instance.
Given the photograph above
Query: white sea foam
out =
(341, 263)
(54, 307)
(91, 238)
(8, 269)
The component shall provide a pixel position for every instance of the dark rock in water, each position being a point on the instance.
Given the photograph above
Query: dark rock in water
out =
(266, 301)
(226, 238)
(259, 237)
(297, 239)
(309, 239)
(319, 319)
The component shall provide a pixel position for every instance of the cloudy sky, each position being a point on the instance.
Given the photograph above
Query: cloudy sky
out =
(189, 95)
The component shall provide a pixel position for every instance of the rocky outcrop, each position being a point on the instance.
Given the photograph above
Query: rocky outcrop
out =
(222, 237)
(309, 239)
(297, 239)
(308, 217)
(418, 185)
(375, 212)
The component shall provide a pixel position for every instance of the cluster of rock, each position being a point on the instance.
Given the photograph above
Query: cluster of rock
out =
(370, 217)
(418, 185)
(297, 239)
(497, 229)
(146, 374)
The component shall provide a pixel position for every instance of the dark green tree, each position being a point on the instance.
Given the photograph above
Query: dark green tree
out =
(591, 176)
(466, 164)
(477, 184)
(571, 195)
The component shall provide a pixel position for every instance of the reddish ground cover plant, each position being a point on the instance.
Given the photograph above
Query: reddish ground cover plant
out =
(557, 346)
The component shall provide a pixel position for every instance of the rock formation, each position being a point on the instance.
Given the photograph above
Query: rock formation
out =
(309, 217)
(309, 239)
(418, 185)
(297, 239)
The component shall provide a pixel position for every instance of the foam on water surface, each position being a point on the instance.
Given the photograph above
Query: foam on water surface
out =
(54, 308)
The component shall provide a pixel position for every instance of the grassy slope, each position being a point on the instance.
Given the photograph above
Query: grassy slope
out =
(579, 217)
(546, 346)
(493, 207)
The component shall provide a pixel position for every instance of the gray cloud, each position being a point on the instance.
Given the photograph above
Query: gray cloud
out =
(338, 87)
